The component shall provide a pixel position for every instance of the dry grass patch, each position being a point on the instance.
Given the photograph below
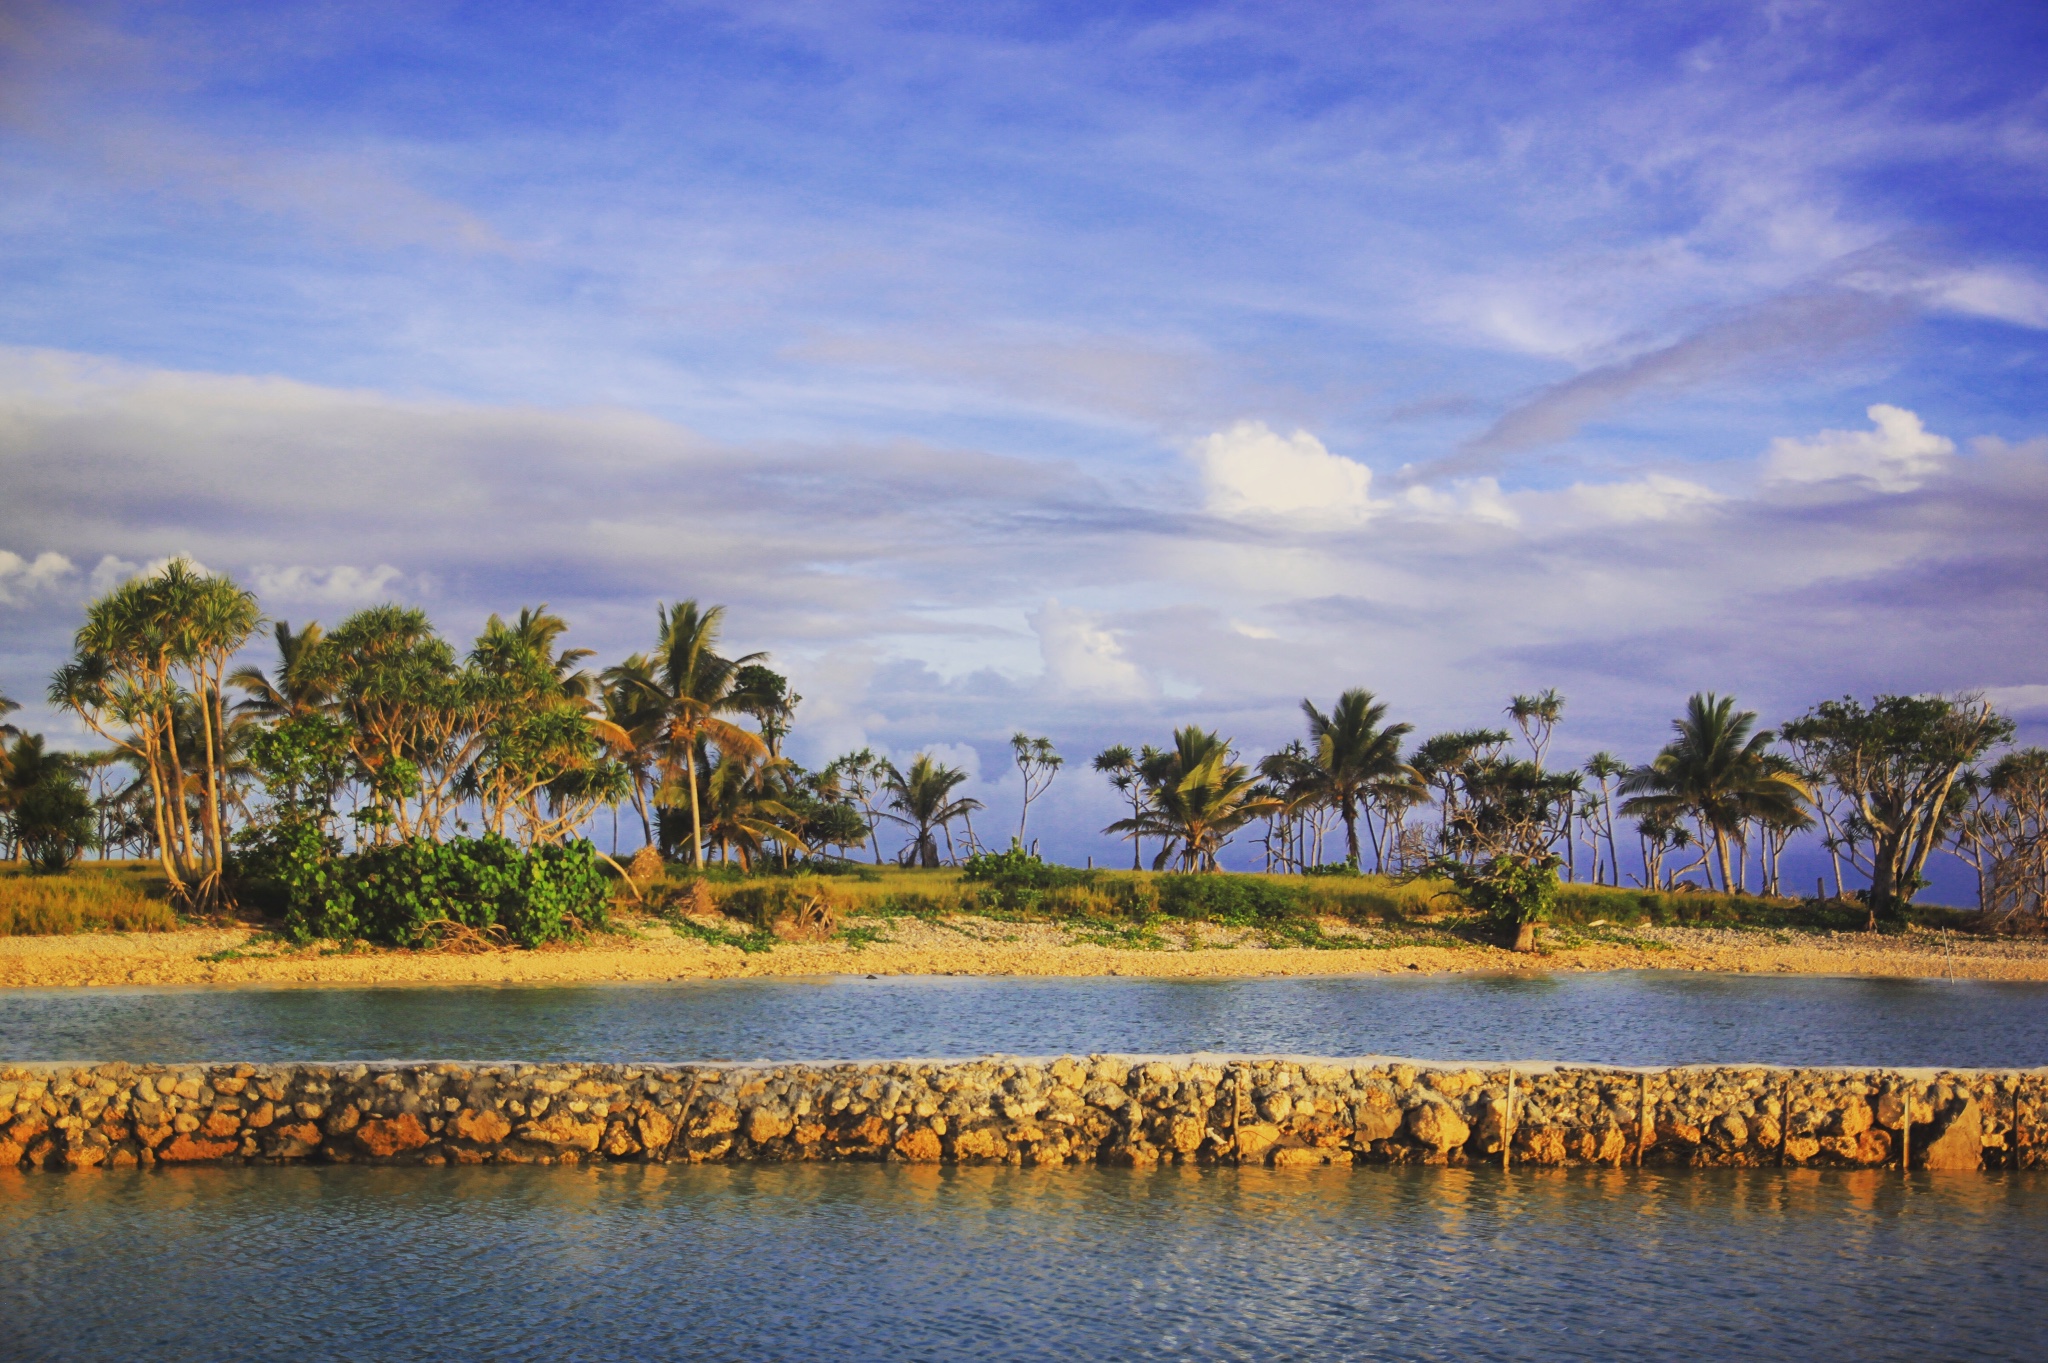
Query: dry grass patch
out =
(111, 897)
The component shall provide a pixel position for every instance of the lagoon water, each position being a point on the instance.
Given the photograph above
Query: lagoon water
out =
(1629, 1017)
(802, 1262)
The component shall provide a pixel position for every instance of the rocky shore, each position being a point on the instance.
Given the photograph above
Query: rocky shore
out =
(1209, 1109)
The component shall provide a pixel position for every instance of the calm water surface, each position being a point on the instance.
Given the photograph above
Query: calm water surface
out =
(844, 1262)
(1642, 1017)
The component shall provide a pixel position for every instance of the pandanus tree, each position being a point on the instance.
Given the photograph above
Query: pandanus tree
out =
(152, 645)
(1121, 767)
(412, 717)
(1354, 757)
(1720, 773)
(545, 756)
(922, 800)
(1197, 796)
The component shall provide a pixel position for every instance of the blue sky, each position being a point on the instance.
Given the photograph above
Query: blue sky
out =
(1085, 369)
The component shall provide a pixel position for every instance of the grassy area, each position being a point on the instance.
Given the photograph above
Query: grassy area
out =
(92, 897)
(1120, 905)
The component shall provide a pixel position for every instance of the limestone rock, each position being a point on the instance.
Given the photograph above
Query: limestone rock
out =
(564, 1132)
(484, 1128)
(1961, 1143)
(1437, 1126)
(387, 1136)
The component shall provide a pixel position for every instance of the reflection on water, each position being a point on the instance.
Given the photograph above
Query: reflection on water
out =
(835, 1262)
(1630, 1017)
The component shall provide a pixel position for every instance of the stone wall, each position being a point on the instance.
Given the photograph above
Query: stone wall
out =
(1101, 1108)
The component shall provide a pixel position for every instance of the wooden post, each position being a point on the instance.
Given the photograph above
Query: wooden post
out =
(1906, 1131)
(1507, 1123)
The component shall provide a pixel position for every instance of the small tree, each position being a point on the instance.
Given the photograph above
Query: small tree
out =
(1516, 890)
(1898, 762)
(1039, 763)
(1121, 767)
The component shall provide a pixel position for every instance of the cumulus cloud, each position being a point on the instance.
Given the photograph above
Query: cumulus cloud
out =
(20, 577)
(341, 584)
(1898, 455)
(1081, 656)
(1252, 472)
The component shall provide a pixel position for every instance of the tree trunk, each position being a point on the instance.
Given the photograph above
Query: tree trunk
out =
(696, 819)
(1525, 936)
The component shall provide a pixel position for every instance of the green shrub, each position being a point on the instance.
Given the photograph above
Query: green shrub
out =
(410, 893)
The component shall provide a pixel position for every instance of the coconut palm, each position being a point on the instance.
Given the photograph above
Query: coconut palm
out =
(1197, 795)
(1354, 755)
(1717, 773)
(694, 688)
(631, 704)
(1604, 767)
(301, 684)
(744, 810)
(922, 800)
(8, 705)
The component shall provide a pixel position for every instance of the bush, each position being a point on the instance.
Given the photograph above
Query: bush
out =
(410, 893)
(1231, 900)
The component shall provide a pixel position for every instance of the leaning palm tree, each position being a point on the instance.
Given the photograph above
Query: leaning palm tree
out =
(922, 800)
(1353, 757)
(694, 688)
(1718, 773)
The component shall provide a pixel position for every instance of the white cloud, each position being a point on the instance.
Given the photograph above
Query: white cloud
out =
(1898, 456)
(1657, 497)
(341, 584)
(2018, 700)
(1081, 656)
(21, 576)
(110, 572)
(1467, 499)
(1250, 471)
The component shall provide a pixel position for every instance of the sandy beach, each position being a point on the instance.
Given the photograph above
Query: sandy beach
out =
(976, 946)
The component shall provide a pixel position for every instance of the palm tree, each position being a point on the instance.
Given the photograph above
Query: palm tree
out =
(743, 810)
(1717, 772)
(300, 685)
(1353, 756)
(630, 693)
(8, 705)
(923, 801)
(1197, 795)
(694, 688)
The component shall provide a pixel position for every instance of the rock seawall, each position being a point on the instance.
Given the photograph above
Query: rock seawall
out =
(1074, 1109)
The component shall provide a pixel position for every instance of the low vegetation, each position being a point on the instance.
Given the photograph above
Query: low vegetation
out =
(109, 897)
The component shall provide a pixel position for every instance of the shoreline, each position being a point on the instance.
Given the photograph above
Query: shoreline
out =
(968, 946)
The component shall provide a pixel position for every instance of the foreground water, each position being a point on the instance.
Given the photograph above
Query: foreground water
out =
(1631, 1017)
(836, 1262)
